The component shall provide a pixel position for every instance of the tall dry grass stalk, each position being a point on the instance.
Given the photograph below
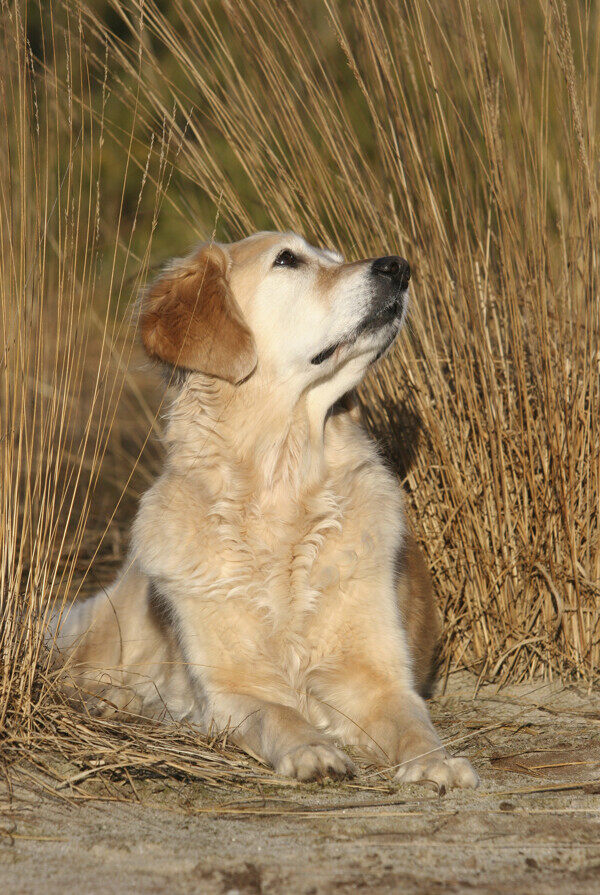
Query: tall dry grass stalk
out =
(65, 348)
(463, 134)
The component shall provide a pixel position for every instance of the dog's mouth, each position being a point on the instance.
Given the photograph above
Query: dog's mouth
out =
(324, 355)
(385, 318)
(388, 317)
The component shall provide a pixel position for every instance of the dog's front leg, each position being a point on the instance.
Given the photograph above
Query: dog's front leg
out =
(279, 735)
(400, 721)
(237, 689)
(381, 712)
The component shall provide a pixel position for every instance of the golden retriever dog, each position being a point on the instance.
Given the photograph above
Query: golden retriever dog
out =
(272, 587)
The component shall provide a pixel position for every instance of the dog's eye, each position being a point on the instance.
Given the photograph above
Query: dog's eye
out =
(286, 258)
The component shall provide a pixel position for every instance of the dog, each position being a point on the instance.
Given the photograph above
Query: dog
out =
(272, 586)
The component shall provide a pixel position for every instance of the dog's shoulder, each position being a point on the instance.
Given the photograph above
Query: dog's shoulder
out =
(172, 514)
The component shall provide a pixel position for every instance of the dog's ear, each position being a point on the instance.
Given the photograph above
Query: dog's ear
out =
(190, 318)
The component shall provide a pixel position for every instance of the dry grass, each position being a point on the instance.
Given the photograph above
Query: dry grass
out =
(464, 135)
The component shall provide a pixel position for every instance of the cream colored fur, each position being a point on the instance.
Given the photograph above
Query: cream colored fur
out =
(263, 590)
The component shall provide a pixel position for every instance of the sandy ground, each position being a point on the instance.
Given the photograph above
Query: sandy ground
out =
(533, 826)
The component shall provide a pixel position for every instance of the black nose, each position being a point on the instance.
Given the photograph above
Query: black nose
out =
(393, 267)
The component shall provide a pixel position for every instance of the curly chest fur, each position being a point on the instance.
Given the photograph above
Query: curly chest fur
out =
(295, 554)
(280, 560)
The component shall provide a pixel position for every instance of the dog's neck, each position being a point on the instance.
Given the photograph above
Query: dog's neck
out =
(257, 432)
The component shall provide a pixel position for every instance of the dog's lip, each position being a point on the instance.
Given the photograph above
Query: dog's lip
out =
(396, 306)
(390, 313)
(325, 354)
(385, 317)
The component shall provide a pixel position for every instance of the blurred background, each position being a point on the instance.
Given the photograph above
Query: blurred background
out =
(462, 135)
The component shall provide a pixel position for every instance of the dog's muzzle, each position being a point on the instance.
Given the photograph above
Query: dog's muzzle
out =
(390, 278)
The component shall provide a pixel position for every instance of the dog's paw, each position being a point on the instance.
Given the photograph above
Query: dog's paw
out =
(446, 772)
(315, 762)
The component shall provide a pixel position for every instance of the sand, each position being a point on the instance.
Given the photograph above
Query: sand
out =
(533, 826)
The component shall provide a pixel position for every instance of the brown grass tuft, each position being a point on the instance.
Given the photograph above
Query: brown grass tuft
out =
(463, 135)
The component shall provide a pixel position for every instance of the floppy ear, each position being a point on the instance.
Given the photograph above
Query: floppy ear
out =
(190, 319)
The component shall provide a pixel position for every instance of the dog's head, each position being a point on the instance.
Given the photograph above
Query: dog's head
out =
(275, 304)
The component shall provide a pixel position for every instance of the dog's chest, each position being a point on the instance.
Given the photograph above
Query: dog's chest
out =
(295, 552)
(304, 554)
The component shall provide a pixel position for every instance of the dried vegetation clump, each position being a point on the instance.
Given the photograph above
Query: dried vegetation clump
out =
(463, 135)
